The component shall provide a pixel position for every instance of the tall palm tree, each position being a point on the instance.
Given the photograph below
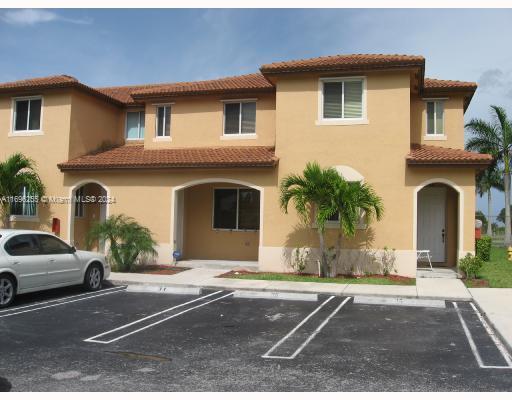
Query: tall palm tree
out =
(327, 193)
(491, 178)
(17, 172)
(313, 190)
(495, 138)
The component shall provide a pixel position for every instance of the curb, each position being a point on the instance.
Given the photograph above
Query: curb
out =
(152, 287)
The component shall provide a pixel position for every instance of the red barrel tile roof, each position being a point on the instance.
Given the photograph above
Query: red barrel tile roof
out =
(431, 83)
(135, 156)
(344, 62)
(241, 83)
(434, 155)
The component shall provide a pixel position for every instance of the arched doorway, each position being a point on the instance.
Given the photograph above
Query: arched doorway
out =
(217, 219)
(89, 205)
(439, 222)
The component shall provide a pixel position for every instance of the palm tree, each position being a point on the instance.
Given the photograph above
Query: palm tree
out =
(126, 238)
(16, 173)
(314, 190)
(327, 193)
(353, 201)
(491, 178)
(495, 138)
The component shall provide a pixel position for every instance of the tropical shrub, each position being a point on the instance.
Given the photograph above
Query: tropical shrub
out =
(299, 259)
(483, 248)
(388, 260)
(470, 266)
(128, 241)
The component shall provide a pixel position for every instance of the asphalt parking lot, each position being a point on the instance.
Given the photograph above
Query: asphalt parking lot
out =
(118, 340)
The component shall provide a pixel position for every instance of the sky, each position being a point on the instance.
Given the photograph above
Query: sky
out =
(106, 47)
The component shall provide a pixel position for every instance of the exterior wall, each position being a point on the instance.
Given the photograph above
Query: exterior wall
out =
(93, 123)
(46, 149)
(453, 122)
(201, 241)
(198, 122)
(147, 196)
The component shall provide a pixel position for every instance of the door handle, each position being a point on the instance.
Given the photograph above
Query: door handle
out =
(15, 262)
(52, 260)
(442, 234)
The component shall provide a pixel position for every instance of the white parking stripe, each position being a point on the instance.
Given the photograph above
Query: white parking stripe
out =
(472, 344)
(493, 336)
(93, 339)
(310, 337)
(62, 303)
(266, 355)
(10, 309)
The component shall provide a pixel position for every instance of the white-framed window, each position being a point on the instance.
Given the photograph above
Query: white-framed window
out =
(435, 117)
(342, 100)
(334, 220)
(135, 125)
(27, 112)
(163, 121)
(239, 118)
(236, 209)
(25, 204)
(79, 202)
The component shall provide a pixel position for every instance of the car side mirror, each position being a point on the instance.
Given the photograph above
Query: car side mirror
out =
(73, 249)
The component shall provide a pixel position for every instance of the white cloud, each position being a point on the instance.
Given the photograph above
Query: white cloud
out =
(29, 16)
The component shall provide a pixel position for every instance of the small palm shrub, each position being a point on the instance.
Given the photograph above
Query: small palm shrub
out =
(299, 259)
(470, 266)
(483, 248)
(127, 240)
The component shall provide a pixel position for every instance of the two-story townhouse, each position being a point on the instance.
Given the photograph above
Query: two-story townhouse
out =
(199, 163)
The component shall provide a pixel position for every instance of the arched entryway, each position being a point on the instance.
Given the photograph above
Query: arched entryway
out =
(89, 204)
(217, 219)
(438, 220)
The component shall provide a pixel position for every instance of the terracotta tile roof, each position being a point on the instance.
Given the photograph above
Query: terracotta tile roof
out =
(53, 82)
(241, 83)
(435, 84)
(48, 81)
(344, 62)
(135, 156)
(434, 155)
(124, 93)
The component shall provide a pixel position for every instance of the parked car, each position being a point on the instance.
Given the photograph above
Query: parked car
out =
(33, 260)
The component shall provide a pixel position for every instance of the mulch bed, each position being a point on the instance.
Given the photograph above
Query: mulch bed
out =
(160, 269)
(393, 278)
(476, 283)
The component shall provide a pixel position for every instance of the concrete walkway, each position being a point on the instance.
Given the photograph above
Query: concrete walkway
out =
(495, 303)
(427, 288)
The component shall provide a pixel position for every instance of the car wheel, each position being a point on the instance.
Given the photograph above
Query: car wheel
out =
(7, 290)
(93, 277)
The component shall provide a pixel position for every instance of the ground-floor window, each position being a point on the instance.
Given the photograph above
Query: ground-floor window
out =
(236, 209)
(25, 204)
(79, 204)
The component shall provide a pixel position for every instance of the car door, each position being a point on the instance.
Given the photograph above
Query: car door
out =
(24, 257)
(63, 263)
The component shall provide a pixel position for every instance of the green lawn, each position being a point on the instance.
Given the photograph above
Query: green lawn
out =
(498, 271)
(370, 280)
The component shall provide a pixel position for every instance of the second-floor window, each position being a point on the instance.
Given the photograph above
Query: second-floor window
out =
(163, 121)
(240, 118)
(135, 124)
(435, 117)
(27, 114)
(342, 99)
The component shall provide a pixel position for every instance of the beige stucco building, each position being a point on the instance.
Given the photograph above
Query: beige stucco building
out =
(199, 163)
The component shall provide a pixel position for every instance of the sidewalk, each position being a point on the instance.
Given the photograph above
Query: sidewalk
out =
(426, 288)
(495, 303)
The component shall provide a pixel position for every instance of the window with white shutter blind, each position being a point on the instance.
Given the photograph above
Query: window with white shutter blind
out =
(342, 99)
(240, 118)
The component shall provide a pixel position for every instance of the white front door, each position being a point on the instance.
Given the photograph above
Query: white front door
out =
(431, 222)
